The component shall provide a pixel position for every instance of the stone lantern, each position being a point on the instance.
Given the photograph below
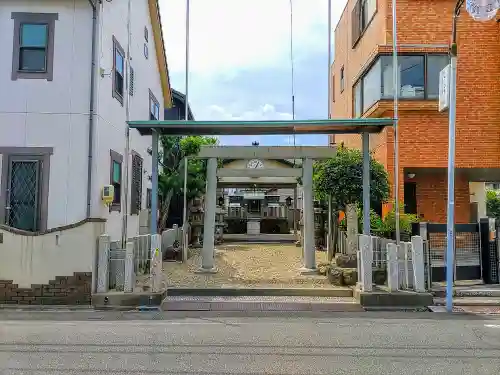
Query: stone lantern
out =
(219, 222)
(196, 221)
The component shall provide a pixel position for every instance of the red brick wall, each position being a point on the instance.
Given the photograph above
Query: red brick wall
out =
(423, 131)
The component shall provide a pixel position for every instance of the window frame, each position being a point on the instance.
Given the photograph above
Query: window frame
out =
(23, 18)
(118, 158)
(381, 56)
(333, 88)
(136, 185)
(117, 48)
(358, 29)
(342, 79)
(152, 99)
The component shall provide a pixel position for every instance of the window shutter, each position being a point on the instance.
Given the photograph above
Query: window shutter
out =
(136, 191)
(132, 81)
(356, 22)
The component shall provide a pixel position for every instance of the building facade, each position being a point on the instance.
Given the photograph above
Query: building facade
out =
(362, 86)
(72, 73)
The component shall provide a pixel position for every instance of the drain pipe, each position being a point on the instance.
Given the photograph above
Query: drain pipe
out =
(126, 163)
(93, 72)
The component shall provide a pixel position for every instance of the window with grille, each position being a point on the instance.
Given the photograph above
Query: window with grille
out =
(136, 191)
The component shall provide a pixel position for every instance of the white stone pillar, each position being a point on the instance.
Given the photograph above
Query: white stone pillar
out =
(329, 236)
(352, 228)
(392, 267)
(295, 209)
(156, 269)
(417, 257)
(129, 277)
(103, 264)
(309, 248)
(207, 262)
(366, 261)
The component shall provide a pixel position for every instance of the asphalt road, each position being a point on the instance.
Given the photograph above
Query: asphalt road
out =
(365, 343)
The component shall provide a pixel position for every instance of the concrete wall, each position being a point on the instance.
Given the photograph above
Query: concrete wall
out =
(28, 259)
(41, 113)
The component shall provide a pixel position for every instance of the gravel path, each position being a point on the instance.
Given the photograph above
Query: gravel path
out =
(250, 265)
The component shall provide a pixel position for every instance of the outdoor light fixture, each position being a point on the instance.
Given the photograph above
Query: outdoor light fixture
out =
(411, 175)
(289, 201)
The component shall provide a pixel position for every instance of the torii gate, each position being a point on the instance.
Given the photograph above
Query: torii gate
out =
(363, 126)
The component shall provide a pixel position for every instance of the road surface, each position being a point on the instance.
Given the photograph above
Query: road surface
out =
(365, 343)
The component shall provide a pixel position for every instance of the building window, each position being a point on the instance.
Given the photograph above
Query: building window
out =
(154, 107)
(149, 195)
(116, 180)
(358, 106)
(418, 79)
(146, 34)
(342, 81)
(33, 47)
(136, 191)
(362, 15)
(333, 89)
(132, 81)
(118, 71)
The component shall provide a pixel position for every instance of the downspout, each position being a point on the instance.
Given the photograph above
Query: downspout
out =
(126, 163)
(93, 73)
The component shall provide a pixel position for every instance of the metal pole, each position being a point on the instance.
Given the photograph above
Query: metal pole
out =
(450, 219)
(186, 102)
(395, 80)
(154, 183)
(366, 183)
(329, 57)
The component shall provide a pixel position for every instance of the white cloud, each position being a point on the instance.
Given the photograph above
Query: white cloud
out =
(228, 35)
(267, 112)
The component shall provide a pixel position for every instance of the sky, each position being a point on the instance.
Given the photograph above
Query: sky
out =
(239, 61)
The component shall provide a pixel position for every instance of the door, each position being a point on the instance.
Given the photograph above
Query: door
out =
(23, 193)
(410, 197)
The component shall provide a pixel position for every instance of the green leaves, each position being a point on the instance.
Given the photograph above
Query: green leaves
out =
(492, 204)
(342, 178)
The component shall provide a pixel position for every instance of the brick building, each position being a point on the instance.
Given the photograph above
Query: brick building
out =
(362, 87)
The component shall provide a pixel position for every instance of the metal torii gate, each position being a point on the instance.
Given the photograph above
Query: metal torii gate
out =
(363, 126)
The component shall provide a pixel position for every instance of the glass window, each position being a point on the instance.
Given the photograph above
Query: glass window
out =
(119, 62)
(371, 86)
(358, 111)
(342, 82)
(411, 77)
(435, 63)
(368, 10)
(116, 172)
(33, 47)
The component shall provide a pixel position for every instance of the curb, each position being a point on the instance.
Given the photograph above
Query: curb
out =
(261, 292)
(65, 308)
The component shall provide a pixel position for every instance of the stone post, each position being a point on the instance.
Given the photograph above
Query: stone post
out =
(103, 264)
(129, 277)
(352, 229)
(392, 267)
(366, 252)
(405, 251)
(417, 257)
(156, 264)
(207, 263)
(309, 248)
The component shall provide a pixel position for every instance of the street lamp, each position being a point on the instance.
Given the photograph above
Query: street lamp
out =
(479, 10)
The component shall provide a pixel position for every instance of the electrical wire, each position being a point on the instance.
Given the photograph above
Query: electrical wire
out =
(292, 65)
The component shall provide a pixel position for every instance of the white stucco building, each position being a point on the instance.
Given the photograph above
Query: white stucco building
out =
(67, 90)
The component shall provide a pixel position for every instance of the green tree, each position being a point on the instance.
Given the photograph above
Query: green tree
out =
(171, 179)
(342, 178)
(492, 204)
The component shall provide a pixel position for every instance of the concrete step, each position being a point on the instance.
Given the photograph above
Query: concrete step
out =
(260, 303)
(469, 301)
(261, 291)
(469, 292)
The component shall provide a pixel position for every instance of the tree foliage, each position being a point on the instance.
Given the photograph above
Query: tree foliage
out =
(342, 178)
(492, 204)
(171, 179)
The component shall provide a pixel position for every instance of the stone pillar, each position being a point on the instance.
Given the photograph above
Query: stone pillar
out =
(309, 248)
(295, 212)
(392, 267)
(129, 277)
(417, 257)
(156, 264)
(352, 229)
(366, 261)
(329, 236)
(207, 263)
(103, 264)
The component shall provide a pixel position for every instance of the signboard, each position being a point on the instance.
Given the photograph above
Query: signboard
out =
(444, 88)
(482, 10)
